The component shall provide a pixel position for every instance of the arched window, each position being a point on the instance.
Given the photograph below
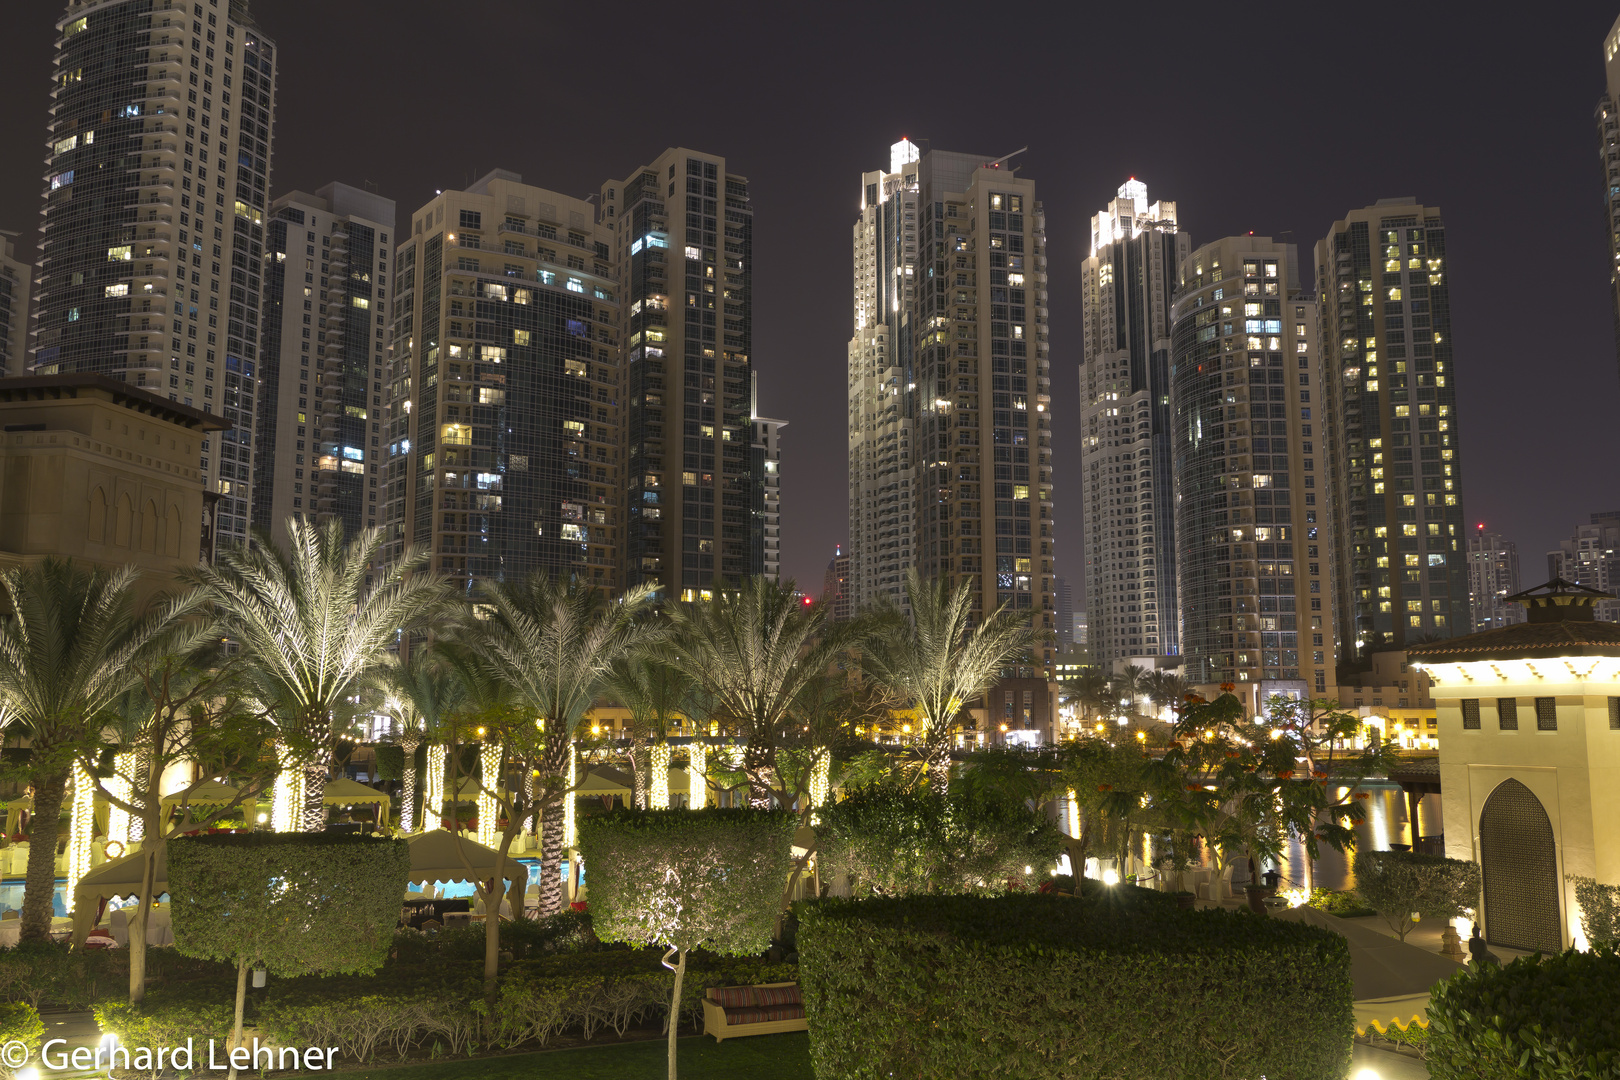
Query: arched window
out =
(96, 533)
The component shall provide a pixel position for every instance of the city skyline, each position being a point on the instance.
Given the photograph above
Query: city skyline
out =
(804, 208)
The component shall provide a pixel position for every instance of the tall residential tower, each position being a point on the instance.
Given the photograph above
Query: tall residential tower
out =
(321, 363)
(882, 385)
(151, 255)
(983, 434)
(680, 231)
(1493, 576)
(1253, 548)
(1394, 470)
(502, 432)
(1608, 129)
(1126, 451)
(13, 307)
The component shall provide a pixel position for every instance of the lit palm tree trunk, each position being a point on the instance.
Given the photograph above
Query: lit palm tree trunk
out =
(407, 795)
(552, 827)
(756, 766)
(319, 731)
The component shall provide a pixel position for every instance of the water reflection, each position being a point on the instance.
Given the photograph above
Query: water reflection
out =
(1385, 824)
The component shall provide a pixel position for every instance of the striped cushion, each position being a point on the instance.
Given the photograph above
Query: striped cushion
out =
(767, 996)
(731, 997)
(762, 1016)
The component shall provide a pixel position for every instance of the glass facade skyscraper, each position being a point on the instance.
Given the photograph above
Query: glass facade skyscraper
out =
(502, 448)
(322, 358)
(151, 252)
(1395, 474)
(1128, 280)
(1253, 534)
(682, 240)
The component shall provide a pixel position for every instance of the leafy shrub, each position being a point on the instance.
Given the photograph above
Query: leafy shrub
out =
(1119, 983)
(893, 842)
(50, 973)
(20, 1022)
(1413, 1036)
(1600, 909)
(1539, 1018)
(1397, 883)
(566, 931)
(168, 1017)
(1344, 904)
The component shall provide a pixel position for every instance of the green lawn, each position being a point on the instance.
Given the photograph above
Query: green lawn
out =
(779, 1057)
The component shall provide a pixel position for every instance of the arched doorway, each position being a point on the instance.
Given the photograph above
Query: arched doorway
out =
(1519, 861)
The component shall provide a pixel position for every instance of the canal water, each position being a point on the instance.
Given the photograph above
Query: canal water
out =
(1386, 823)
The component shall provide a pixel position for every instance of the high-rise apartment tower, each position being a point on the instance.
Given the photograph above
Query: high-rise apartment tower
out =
(1394, 471)
(1127, 284)
(682, 244)
(983, 435)
(151, 256)
(1493, 575)
(766, 465)
(502, 440)
(1591, 557)
(13, 307)
(1608, 127)
(882, 386)
(1253, 535)
(321, 362)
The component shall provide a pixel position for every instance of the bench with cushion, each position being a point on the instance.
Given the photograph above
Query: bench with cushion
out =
(730, 1011)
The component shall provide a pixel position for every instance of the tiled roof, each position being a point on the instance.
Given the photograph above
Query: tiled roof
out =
(1525, 641)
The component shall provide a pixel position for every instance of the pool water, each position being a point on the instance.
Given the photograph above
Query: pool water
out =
(453, 889)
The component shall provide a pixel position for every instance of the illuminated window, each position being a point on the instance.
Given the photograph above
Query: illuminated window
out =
(520, 337)
(121, 289)
(362, 302)
(119, 254)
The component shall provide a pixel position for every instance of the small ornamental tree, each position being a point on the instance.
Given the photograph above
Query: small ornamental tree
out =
(893, 842)
(1600, 909)
(1399, 884)
(292, 903)
(683, 879)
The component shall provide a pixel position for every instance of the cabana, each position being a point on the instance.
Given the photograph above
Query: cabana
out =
(208, 793)
(346, 792)
(1391, 980)
(114, 879)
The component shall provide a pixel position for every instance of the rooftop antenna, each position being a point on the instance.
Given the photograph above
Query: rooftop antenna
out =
(996, 164)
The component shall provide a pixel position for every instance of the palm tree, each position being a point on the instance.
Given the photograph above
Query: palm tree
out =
(419, 693)
(753, 652)
(553, 641)
(71, 645)
(1126, 687)
(941, 660)
(655, 693)
(311, 622)
(1165, 689)
(1089, 690)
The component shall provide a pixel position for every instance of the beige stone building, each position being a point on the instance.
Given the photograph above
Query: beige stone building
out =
(97, 470)
(1530, 760)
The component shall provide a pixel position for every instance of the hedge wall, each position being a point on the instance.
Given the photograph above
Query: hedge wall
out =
(1120, 986)
(1540, 1017)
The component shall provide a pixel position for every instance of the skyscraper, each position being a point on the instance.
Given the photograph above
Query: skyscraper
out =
(835, 586)
(1493, 575)
(1608, 127)
(983, 434)
(1127, 284)
(681, 245)
(766, 467)
(1065, 614)
(324, 344)
(1591, 557)
(1394, 471)
(152, 237)
(1253, 546)
(13, 307)
(882, 385)
(502, 437)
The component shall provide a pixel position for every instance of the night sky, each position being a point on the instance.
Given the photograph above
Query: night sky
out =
(1277, 121)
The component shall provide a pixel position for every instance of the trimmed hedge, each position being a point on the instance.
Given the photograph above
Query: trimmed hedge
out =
(1540, 1018)
(438, 1008)
(1117, 984)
